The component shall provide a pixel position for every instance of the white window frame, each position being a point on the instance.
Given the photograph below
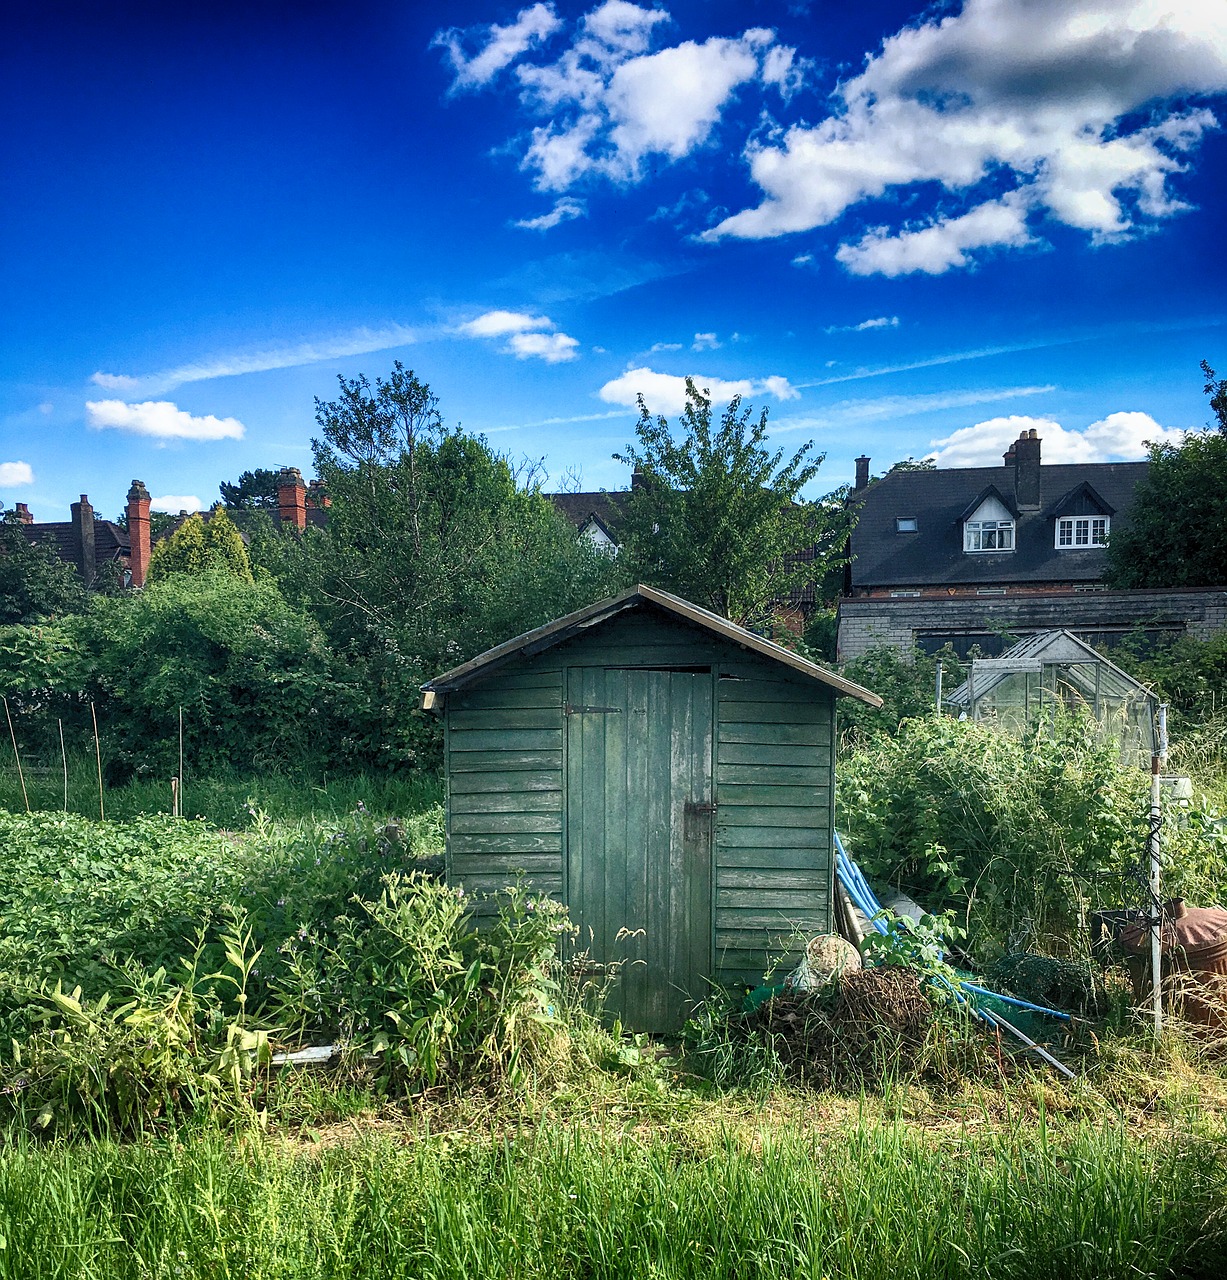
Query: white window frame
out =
(998, 533)
(1082, 533)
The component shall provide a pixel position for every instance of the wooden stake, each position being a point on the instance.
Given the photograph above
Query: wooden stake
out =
(64, 758)
(179, 780)
(93, 715)
(17, 755)
(174, 797)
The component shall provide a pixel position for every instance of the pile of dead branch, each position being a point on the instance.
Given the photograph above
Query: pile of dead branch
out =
(865, 1027)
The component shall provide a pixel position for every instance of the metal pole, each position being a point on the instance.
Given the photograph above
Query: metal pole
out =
(1156, 902)
(179, 784)
(939, 687)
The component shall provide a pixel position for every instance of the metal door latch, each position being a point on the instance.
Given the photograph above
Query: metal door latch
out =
(696, 807)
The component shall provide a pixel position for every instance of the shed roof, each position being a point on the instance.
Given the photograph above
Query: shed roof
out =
(566, 628)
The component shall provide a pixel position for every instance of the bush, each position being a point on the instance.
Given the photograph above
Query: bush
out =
(906, 683)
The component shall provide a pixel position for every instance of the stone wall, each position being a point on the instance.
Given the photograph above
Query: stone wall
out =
(989, 620)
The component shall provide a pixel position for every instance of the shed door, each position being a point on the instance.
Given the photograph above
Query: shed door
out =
(639, 834)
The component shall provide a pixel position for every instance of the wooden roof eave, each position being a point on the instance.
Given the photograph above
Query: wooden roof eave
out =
(573, 624)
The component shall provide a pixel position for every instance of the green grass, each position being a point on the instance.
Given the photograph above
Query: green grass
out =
(1082, 1202)
(222, 800)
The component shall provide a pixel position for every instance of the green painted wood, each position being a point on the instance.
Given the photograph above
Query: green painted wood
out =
(518, 782)
(504, 761)
(772, 775)
(772, 713)
(505, 740)
(758, 898)
(506, 865)
(761, 794)
(639, 867)
(770, 879)
(765, 943)
(525, 842)
(760, 691)
(798, 919)
(502, 698)
(795, 755)
(774, 734)
(733, 842)
(542, 802)
(485, 718)
(525, 675)
(771, 816)
(487, 823)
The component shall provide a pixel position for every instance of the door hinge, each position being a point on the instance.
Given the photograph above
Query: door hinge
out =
(578, 709)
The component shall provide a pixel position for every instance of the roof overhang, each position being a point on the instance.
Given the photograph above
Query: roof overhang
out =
(574, 624)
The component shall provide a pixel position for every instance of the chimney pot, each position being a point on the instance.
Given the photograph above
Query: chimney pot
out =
(23, 513)
(862, 474)
(1027, 471)
(291, 498)
(139, 534)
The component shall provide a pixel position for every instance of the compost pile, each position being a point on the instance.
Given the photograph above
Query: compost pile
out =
(862, 1027)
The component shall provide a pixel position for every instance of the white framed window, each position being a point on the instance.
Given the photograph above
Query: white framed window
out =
(905, 524)
(988, 535)
(1080, 532)
(990, 528)
(990, 591)
(905, 595)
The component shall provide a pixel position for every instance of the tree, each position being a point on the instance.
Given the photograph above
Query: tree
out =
(34, 582)
(1176, 535)
(436, 549)
(195, 547)
(254, 491)
(718, 518)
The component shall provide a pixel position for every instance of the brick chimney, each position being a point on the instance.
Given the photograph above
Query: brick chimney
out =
(317, 496)
(862, 474)
(83, 539)
(1009, 456)
(1027, 471)
(291, 498)
(138, 533)
(22, 512)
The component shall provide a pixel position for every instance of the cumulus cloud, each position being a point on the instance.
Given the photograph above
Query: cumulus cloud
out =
(875, 322)
(527, 336)
(161, 419)
(15, 473)
(499, 46)
(666, 393)
(1081, 106)
(335, 347)
(664, 346)
(705, 342)
(563, 211)
(1120, 437)
(608, 102)
(176, 502)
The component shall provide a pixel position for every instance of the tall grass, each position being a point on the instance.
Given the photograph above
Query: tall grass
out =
(222, 799)
(1089, 1204)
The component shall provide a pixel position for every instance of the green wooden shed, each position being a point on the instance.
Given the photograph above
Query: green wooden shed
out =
(667, 774)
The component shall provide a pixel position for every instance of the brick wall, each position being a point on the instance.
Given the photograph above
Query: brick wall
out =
(866, 622)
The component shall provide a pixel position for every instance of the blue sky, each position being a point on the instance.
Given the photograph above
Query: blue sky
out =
(905, 231)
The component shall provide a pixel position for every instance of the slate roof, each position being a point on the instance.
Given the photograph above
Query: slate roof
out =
(605, 507)
(937, 500)
(110, 541)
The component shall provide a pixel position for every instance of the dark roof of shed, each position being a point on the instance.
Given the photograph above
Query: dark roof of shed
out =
(938, 500)
(566, 628)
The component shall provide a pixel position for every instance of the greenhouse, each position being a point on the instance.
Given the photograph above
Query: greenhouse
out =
(1054, 670)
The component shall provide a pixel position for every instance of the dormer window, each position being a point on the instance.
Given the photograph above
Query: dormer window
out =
(905, 524)
(989, 528)
(1082, 532)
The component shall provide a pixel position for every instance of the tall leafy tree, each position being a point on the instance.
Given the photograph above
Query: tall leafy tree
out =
(35, 583)
(1176, 535)
(197, 546)
(716, 516)
(253, 491)
(436, 547)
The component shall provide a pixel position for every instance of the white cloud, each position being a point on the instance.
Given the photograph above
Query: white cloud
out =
(664, 346)
(500, 45)
(493, 324)
(848, 413)
(161, 419)
(607, 102)
(15, 473)
(876, 322)
(550, 347)
(355, 343)
(176, 502)
(1083, 104)
(563, 211)
(527, 336)
(803, 260)
(705, 342)
(1120, 437)
(666, 393)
